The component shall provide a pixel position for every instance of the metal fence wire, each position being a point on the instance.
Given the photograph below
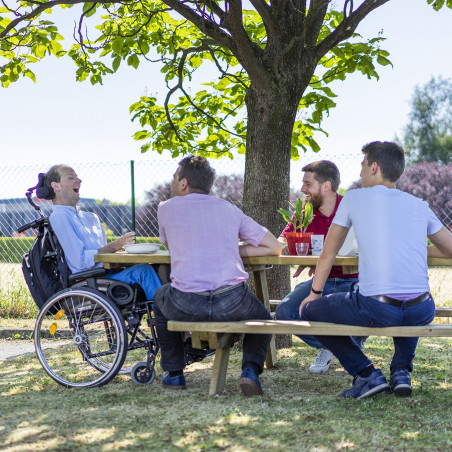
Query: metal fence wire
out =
(127, 193)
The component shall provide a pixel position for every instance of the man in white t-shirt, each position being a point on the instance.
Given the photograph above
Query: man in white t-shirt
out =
(208, 279)
(391, 229)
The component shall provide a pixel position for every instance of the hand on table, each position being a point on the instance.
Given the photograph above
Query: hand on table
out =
(127, 239)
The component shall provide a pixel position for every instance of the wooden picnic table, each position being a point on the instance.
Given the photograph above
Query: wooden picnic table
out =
(255, 265)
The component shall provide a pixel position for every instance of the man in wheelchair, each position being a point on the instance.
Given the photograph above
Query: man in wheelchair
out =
(82, 236)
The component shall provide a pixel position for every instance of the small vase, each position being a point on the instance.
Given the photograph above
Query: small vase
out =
(297, 237)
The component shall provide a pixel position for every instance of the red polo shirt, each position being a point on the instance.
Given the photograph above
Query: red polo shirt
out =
(320, 225)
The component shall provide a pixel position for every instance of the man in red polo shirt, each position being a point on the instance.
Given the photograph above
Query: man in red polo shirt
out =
(320, 183)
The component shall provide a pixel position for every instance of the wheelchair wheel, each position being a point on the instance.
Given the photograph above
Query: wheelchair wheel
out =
(143, 373)
(76, 328)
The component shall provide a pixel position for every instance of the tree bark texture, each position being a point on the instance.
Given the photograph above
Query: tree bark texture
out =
(267, 169)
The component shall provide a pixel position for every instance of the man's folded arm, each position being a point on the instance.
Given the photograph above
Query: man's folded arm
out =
(268, 246)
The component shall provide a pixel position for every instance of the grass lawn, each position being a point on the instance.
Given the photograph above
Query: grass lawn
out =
(299, 410)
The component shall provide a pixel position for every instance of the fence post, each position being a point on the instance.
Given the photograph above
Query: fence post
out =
(132, 182)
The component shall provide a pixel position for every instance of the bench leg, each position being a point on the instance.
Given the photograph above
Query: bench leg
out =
(261, 288)
(271, 359)
(219, 369)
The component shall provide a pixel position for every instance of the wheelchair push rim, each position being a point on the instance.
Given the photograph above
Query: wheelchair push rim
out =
(76, 328)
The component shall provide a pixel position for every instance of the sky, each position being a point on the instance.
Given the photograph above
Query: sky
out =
(58, 119)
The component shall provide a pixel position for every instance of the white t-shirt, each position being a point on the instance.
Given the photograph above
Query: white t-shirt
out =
(391, 229)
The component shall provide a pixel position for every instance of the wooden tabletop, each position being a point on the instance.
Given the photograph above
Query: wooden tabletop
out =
(163, 257)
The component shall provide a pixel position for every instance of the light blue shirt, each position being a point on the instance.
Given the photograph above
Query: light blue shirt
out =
(391, 229)
(80, 235)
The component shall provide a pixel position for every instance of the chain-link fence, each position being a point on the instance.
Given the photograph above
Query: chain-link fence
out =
(126, 195)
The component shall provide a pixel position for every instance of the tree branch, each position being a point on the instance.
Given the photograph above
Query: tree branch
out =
(49, 5)
(247, 52)
(265, 12)
(347, 27)
(208, 27)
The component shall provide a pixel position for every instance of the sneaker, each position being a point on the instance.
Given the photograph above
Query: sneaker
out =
(249, 383)
(177, 382)
(365, 387)
(400, 382)
(322, 361)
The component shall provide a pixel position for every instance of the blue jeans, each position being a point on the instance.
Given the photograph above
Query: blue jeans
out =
(233, 305)
(352, 308)
(290, 305)
(143, 274)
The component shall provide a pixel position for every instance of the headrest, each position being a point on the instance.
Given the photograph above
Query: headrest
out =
(43, 192)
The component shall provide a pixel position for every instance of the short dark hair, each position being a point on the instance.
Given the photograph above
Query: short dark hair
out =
(389, 156)
(198, 172)
(53, 175)
(324, 170)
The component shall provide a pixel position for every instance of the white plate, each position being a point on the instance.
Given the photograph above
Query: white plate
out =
(142, 248)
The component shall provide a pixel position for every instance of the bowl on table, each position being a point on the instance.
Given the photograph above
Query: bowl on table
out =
(142, 248)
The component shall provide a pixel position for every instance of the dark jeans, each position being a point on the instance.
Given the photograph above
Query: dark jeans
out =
(290, 305)
(352, 308)
(233, 305)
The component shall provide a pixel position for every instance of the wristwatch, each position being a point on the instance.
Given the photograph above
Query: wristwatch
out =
(317, 292)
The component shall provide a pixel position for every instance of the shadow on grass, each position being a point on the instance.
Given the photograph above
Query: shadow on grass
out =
(299, 411)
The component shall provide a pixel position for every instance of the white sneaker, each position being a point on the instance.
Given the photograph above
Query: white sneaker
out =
(322, 361)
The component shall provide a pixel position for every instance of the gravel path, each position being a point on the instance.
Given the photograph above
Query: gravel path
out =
(15, 348)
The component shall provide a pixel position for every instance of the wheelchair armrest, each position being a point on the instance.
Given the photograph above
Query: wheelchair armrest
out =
(85, 274)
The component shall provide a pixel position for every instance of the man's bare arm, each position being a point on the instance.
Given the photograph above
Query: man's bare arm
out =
(116, 245)
(269, 246)
(442, 244)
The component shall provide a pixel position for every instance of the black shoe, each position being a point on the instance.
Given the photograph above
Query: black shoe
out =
(400, 382)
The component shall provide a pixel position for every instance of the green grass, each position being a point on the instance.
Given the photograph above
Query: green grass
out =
(299, 411)
(15, 299)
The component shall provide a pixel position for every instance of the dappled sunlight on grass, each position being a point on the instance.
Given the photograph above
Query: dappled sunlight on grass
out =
(38, 414)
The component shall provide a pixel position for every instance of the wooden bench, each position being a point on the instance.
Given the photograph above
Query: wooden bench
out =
(221, 336)
(440, 312)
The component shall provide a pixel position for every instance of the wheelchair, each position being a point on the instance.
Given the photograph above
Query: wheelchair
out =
(89, 328)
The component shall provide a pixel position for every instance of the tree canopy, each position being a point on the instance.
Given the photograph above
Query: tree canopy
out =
(428, 135)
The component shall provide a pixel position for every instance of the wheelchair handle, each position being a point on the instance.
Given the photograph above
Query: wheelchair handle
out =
(33, 225)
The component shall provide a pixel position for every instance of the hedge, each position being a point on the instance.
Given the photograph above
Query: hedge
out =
(12, 249)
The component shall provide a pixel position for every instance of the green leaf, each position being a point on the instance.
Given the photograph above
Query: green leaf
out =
(30, 74)
(117, 44)
(144, 47)
(116, 63)
(133, 61)
(383, 61)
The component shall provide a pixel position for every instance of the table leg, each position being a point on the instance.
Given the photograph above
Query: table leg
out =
(261, 289)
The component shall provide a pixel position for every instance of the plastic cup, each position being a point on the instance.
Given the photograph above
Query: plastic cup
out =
(317, 244)
(302, 249)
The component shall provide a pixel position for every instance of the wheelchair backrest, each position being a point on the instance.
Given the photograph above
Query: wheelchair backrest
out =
(44, 266)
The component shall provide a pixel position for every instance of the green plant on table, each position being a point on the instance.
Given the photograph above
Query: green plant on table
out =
(301, 217)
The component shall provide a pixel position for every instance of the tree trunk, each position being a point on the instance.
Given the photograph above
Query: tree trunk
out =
(271, 118)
